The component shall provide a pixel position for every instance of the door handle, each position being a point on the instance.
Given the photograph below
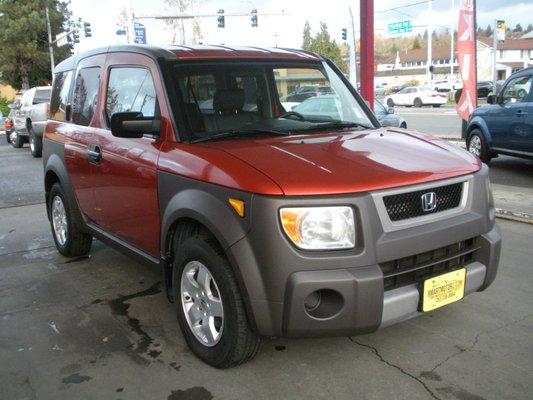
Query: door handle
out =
(94, 154)
(519, 113)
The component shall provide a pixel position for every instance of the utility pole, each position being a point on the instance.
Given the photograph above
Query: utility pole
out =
(353, 58)
(494, 56)
(430, 34)
(366, 22)
(50, 43)
(452, 53)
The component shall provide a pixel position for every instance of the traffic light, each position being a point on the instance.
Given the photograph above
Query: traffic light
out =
(221, 20)
(87, 29)
(75, 37)
(254, 18)
(344, 34)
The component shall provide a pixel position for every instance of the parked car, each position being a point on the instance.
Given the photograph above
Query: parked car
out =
(379, 89)
(442, 86)
(8, 121)
(484, 88)
(387, 117)
(326, 107)
(263, 223)
(305, 92)
(505, 124)
(417, 96)
(30, 118)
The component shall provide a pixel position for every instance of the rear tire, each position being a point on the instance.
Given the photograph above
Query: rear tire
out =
(230, 340)
(17, 141)
(8, 137)
(418, 102)
(477, 145)
(36, 143)
(403, 125)
(436, 105)
(69, 237)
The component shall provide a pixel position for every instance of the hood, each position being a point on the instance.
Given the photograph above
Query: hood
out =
(351, 162)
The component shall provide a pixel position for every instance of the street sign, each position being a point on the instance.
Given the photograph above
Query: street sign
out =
(140, 33)
(396, 28)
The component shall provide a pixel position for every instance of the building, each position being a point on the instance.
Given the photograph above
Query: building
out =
(513, 55)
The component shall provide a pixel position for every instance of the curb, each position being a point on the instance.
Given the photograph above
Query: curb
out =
(514, 216)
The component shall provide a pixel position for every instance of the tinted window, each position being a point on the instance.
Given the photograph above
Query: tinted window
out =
(85, 95)
(131, 90)
(60, 95)
(41, 96)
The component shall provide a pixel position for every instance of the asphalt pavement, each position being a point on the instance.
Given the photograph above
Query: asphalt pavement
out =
(99, 327)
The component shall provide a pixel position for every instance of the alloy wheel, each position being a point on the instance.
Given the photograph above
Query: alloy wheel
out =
(59, 220)
(202, 303)
(474, 146)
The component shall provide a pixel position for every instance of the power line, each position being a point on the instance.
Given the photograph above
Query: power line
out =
(404, 6)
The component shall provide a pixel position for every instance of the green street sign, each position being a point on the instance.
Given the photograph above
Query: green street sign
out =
(399, 27)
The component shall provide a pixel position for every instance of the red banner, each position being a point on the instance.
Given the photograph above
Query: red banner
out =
(466, 53)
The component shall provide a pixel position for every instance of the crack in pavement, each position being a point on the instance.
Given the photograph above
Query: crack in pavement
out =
(15, 205)
(476, 340)
(403, 371)
(26, 251)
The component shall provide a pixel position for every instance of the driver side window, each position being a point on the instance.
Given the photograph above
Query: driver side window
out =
(517, 90)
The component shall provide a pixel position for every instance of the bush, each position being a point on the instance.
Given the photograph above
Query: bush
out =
(3, 105)
(412, 82)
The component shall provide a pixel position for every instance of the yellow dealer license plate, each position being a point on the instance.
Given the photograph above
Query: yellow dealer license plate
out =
(443, 289)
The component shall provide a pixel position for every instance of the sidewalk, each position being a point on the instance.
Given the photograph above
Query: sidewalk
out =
(513, 202)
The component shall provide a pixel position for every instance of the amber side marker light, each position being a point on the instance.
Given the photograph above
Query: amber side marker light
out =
(238, 206)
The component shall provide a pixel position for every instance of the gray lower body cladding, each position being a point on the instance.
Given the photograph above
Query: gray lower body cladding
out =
(280, 280)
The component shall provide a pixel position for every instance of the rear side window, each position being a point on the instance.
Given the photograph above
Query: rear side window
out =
(131, 90)
(60, 95)
(85, 95)
(41, 96)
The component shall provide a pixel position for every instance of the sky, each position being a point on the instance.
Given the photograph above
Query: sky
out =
(285, 30)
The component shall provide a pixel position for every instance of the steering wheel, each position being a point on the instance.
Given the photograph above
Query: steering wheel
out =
(296, 114)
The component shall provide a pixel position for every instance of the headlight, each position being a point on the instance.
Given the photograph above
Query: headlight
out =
(319, 228)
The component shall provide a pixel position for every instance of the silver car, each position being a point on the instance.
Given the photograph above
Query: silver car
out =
(386, 116)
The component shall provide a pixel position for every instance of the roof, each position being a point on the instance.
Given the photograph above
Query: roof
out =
(200, 52)
(528, 35)
(509, 44)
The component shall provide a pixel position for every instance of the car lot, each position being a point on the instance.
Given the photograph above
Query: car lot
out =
(100, 327)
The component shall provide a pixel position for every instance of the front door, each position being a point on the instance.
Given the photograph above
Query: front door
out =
(125, 178)
(506, 119)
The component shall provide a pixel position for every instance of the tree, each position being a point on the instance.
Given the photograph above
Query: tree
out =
(324, 46)
(517, 28)
(488, 31)
(529, 28)
(306, 43)
(417, 43)
(25, 59)
(180, 27)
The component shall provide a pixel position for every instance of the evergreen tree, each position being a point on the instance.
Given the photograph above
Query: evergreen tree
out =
(417, 43)
(488, 31)
(24, 58)
(529, 28)
(517, 28)
(323, 45)
(306, 36)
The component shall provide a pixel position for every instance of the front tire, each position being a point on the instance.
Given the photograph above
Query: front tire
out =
(8, 137)
(477, 145)
(36, 143)
(70, 239)
(17, 141)
(418, 102)
(436, 105)
(209, 305)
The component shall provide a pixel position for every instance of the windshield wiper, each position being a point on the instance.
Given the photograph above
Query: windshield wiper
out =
(334, 125)
(240, 132)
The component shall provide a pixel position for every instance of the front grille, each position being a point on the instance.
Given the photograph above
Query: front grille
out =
(409, 205)
(416, 268)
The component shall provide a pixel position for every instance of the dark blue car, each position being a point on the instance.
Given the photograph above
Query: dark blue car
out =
(505, 125)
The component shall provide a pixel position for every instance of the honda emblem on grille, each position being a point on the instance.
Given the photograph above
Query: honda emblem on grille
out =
(429, 201)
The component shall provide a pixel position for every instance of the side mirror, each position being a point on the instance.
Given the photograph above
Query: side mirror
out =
(134, 125)
(491, 99)
(390, 110)
(15, 105)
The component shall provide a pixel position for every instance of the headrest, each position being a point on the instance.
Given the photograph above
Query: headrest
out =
(228, 101)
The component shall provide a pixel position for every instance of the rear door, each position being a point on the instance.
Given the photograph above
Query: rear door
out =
(80, 133)
(19, 119)
(125, 178)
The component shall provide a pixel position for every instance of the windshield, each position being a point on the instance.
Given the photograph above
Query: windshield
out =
(264, 98)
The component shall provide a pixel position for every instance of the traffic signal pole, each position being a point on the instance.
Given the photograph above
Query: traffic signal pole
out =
(366, 17)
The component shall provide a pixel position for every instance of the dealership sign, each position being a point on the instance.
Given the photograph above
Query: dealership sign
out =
(466, 53)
